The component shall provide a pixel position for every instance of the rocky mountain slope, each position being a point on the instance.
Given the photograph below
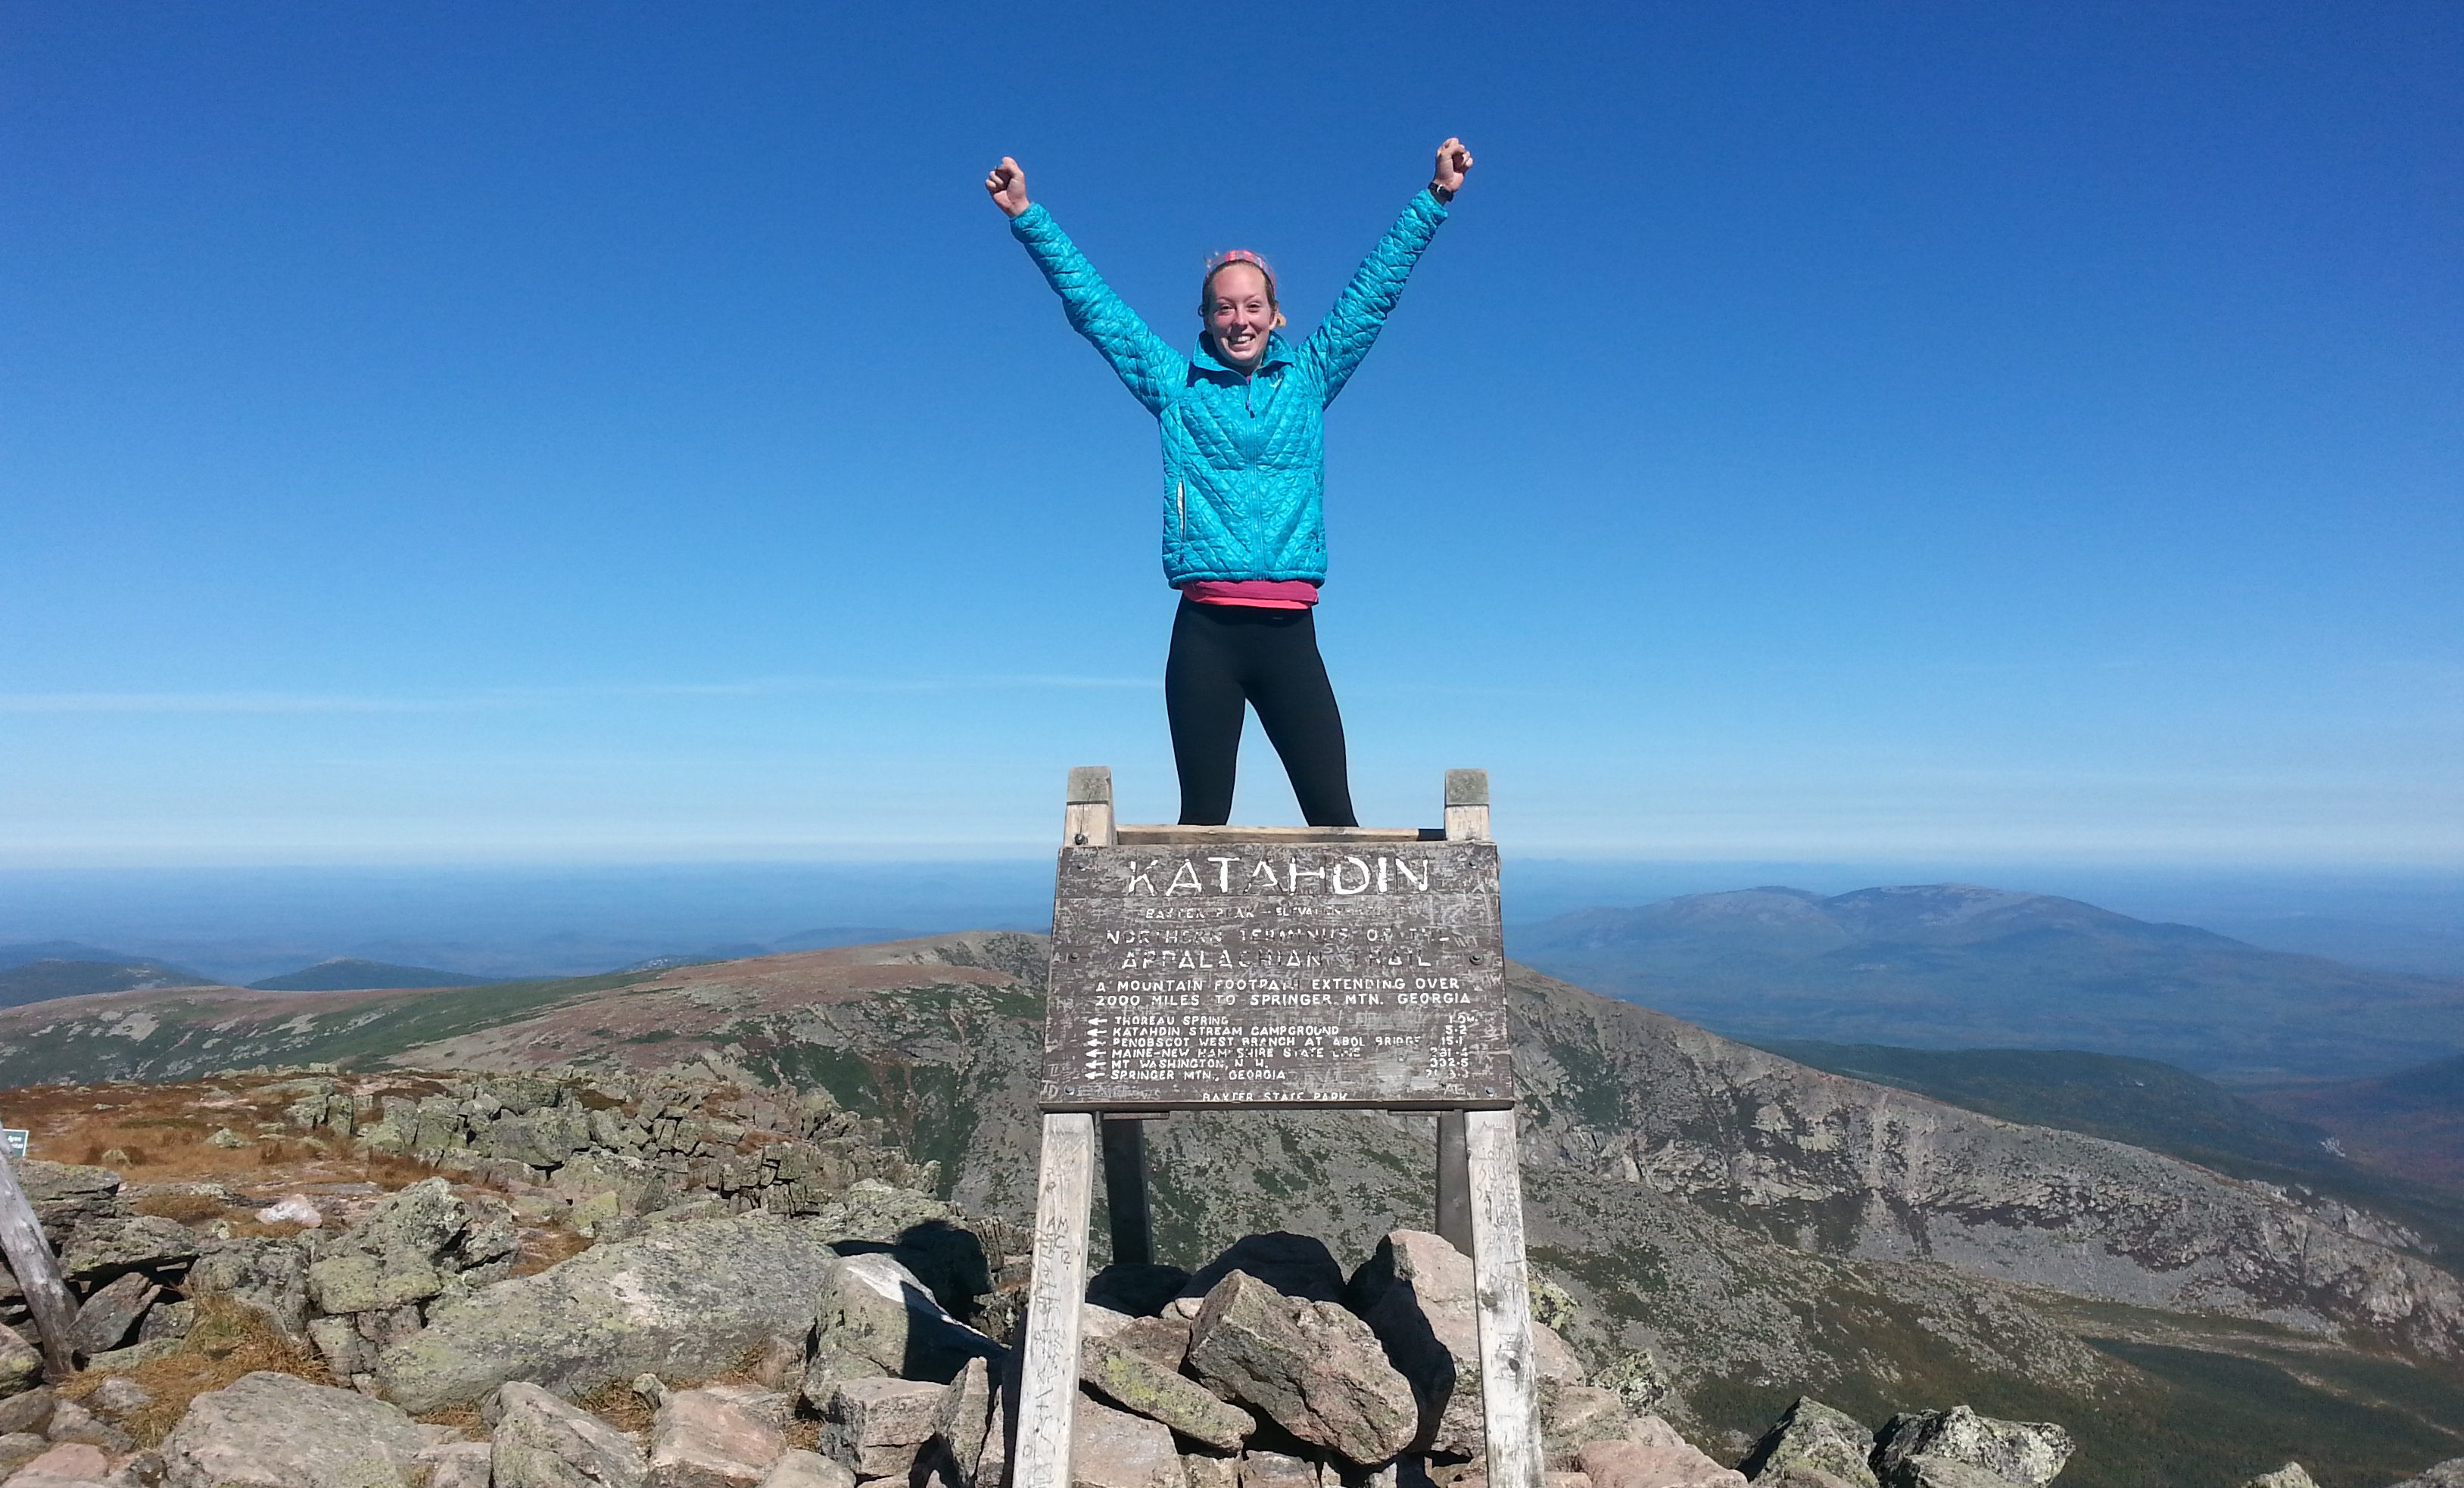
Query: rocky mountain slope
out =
(1953, 965)
(1743, 1226)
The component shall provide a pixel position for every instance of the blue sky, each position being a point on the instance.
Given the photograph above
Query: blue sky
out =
(463, 433)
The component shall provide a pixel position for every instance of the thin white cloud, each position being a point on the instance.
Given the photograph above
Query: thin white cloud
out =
(532, 697)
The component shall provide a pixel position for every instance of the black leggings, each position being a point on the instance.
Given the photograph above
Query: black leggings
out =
(1223, 655)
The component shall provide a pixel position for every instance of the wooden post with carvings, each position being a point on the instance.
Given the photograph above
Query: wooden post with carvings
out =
(38, 1273)
(1179, 957)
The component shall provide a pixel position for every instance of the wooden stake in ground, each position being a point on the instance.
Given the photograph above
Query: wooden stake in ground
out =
(38, 1273)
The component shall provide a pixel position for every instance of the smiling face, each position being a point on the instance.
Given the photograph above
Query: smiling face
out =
(1241, 314)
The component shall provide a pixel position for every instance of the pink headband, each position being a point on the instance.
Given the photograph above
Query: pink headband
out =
(1237, 256)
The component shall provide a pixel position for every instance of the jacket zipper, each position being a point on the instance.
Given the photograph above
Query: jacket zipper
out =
(1180, 495)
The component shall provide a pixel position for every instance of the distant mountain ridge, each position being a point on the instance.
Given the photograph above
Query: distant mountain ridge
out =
(40, 971)
(1958, 965)
(349, 974)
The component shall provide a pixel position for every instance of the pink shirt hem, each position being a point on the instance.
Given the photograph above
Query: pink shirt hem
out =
(1263, 594)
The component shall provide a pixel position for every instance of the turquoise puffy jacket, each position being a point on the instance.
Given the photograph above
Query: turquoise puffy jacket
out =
(1244, 457)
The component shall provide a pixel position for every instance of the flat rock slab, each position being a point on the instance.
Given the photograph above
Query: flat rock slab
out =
(1310, 1366)
(106, 1318)
(543, 1442)
(276, 1431)
(715, 1438)
(1113, 1449)
(1672, 1463)
(461, 1464)
(685, 1299)
(1925, 1470)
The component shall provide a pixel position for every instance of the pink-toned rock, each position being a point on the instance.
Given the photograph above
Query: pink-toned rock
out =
(1667, 1461)
(1416, 1294)
(715, 1438)
(874, 1426)
(799, 1469)
(70, 1463)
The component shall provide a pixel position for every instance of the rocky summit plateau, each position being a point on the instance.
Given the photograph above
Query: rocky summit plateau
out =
(765, 1222)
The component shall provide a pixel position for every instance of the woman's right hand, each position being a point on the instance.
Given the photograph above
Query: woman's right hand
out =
(1008, 185)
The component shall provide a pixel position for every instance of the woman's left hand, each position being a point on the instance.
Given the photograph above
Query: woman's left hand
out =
(1453, 160)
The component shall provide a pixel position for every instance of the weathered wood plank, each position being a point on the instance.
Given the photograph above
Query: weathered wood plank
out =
(1125, 1190)
(1047, 1391)
(1466, 805)
(1276, 975)
(1086, 816)
(1510, 1385)
(38, 1273)
(1149, 833)
(1454, 1183)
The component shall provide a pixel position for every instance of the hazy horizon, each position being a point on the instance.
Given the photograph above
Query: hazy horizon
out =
(249, 922)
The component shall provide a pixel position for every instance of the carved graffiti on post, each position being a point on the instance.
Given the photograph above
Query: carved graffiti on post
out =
(1251, 973)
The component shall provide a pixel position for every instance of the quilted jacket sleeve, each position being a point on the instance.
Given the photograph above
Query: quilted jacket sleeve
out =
(1351, 328)
(1147, 363)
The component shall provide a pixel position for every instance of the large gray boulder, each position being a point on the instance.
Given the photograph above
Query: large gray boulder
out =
(1310, 1366)
(1928, 1470)
(2449, 1473)
(543, 1442)
(276, 1431)
(102, 1248)
(870, 1315)
(105, 1318)
(67, 1194)
(2291, 1474)
(687, 1299)
(2027, 1453)
(875, 1427)
(969, 1412)
(1811, 1435)
(1417, 1294)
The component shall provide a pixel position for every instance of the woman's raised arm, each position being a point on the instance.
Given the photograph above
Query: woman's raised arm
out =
(1146, 362)
(1333, 353)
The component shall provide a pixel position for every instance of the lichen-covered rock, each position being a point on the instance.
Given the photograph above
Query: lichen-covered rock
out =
(719, 1437)
(1417, 1295)
(2027, 1453)
(2291, 1474)
(65, 1196)
(1113, 1449)
(268, 1275)
(1931, 1470)
(2449, 1473)
(543, 1442)
(102, 1248)
(1811, 1435)
(348, 1283)
(685, 1299)
(870, 1315)
(1310, 1366)
(1142, 1386)
(276, 1431)
(21, 1362)
(461, 1464)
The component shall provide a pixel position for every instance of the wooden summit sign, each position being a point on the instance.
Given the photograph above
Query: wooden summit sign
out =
(1265, 974)
(1205, 967)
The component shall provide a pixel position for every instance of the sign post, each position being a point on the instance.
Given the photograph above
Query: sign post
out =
(1200, 968)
